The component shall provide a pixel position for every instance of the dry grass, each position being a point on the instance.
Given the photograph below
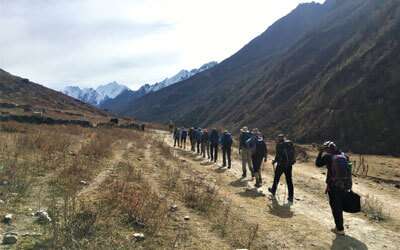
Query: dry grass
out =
(374, 209)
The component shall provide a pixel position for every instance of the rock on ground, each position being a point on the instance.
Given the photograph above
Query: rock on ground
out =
(10, 238)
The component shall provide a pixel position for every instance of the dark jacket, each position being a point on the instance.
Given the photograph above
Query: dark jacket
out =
(244, 136)
(280, 154)
(326, 160)
(177, 133)
(261, 149)
(214, 137)
(184, 133)
(226, 140)
(198, 135)
(191, 133)
(205, 137)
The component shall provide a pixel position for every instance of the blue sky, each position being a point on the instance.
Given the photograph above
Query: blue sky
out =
(91, 42)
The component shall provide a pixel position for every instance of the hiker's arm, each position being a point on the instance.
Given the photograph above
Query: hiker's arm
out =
(321, 160)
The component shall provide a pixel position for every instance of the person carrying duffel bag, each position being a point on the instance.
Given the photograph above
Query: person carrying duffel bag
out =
(339, 183)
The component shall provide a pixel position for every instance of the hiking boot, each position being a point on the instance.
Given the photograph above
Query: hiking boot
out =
(271, 191)
(290, 200)
(338, 232)
(244, 175)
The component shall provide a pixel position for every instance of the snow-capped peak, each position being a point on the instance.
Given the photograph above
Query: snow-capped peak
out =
(95, 96)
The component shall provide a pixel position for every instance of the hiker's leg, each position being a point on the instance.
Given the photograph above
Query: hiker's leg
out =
(257, 170)
(249, 162)
(212, 151)
(289, 181)
(336, 203)
(229, 151)
(208, 150)
(224, 154)
(278, 174)
(216, 153)
(243, 154)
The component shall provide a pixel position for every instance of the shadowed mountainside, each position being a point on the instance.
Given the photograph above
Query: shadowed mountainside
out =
(323, 72)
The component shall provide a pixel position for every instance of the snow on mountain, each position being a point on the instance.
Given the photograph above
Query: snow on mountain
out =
(95, 96)
(181, 76)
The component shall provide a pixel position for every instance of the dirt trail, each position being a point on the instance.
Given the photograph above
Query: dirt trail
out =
(200, 229)
(307, 223)
(101, 177)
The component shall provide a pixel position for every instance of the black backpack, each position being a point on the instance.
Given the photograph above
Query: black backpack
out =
(341, 172)
(289, 152)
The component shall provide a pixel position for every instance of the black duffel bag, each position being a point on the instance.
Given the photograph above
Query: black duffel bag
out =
(351, 202)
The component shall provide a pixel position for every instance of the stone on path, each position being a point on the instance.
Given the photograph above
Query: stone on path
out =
(84, 183)
(186, 218)
(43, 217)
(10, 238)
(8, 218)
(138, 236)
(173, 208)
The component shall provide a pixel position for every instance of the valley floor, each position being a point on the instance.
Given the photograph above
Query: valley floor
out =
(142, 184)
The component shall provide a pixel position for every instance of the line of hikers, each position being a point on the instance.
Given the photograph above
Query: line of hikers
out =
(253, 152)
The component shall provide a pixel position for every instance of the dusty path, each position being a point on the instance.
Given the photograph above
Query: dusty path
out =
(306, 224)
(101, 177)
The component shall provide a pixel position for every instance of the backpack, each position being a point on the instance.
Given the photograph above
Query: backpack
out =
(289, 152)
(341, 172)
(227, 140)
(251, 145)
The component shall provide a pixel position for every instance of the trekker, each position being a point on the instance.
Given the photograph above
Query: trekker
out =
(176, 137)
(244, 151)
(199, 134)
(338, 180)
(184, 134)
(226, 144)
(214, 140)
(205, 144)
(192, 132)
(258, 150)
(284, 158)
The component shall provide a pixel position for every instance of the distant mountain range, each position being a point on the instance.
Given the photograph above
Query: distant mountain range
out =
(323, 72)
(108, 96)
(121, 104)
(95, 96)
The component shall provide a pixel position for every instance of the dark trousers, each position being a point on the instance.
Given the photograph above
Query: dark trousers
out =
(287, 170)
(257, 161)
(183, 142)
(192, 144)
(214, 152)
(176, 142)
(336, 197)
(226, 153)
(198, 146)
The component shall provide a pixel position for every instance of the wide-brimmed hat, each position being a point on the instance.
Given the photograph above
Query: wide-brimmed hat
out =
(244, 129)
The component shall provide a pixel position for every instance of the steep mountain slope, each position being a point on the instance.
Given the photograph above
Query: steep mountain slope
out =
(20, 91)
(322, 72)
(95, 96)
(123, 101)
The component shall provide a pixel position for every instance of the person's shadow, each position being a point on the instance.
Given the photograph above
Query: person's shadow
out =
(346, 243)
(279, 210)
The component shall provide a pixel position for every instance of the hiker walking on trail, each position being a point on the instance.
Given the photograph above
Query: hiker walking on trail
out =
(245, 152)
(177, 137)
(205, 144)
(191, 134)
(258, 149)
(184, 134)
(198, 136)
(285, 158)
(226, 144)
(338, 180)
(214, 140)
